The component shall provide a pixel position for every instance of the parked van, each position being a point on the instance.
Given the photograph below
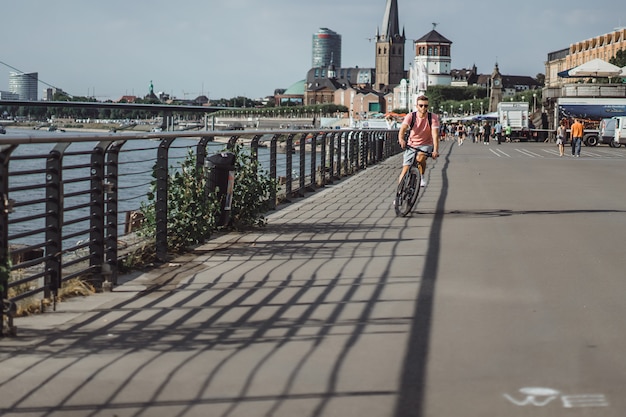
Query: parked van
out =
(620, 130)
(607, 132)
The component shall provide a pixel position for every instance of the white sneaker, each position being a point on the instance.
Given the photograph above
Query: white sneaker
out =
(422, 182)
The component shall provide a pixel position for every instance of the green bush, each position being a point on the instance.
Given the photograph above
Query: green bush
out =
(252, 191)
(192, 213)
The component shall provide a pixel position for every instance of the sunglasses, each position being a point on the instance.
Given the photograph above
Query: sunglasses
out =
(422, 105)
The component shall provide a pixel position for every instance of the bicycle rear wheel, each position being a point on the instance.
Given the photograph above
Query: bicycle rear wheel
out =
(406, 194)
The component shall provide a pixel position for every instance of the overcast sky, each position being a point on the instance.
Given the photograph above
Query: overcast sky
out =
(251, 47)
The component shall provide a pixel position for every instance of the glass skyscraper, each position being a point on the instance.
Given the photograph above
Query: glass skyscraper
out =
(326, 48)
(24, 85)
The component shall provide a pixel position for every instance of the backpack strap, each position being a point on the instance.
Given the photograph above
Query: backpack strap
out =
(414, 114)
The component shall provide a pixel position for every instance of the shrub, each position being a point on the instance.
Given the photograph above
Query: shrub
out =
(252, 191)
(192, 213)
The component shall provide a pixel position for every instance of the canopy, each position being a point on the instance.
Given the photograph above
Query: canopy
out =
(595, 68)
(623, 73)
(489, 116)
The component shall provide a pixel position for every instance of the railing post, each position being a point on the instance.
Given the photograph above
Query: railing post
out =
(111, 232)
(302, 179)
(347, 151)
(314, 161)
(289, 165)
(254, 148)
(323, 153)
(331, 156)
(201, 153)
(162, 179)
(54, 221)
(273, 168)
(96, 220)
(5, 208)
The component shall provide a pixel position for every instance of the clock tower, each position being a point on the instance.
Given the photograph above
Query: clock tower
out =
(495, 89)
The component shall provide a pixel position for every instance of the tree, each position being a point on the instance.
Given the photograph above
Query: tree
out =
(541, 78)
(619, 59)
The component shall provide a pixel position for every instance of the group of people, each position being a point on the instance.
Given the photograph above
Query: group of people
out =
(476, 132)
(577, 131)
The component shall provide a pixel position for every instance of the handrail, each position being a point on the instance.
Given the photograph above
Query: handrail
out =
(64, 209)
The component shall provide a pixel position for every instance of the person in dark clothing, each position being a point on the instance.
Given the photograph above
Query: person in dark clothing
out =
(487, 134)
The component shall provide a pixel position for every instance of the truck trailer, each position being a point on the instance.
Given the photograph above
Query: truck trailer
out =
(515, 115)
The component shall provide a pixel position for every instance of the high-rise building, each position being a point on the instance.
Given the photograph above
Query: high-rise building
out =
(326, 48)
(24, 85)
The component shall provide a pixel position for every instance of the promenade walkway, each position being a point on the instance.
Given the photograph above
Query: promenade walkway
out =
(340, 308)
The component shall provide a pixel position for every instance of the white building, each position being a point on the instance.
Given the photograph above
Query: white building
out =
(432, 63)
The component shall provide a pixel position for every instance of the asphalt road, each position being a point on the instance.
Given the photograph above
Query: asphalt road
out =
(502, 295)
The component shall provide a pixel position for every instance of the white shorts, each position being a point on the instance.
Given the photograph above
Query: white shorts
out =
(409, 154)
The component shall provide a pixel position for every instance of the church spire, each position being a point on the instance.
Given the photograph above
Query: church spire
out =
(391, 27)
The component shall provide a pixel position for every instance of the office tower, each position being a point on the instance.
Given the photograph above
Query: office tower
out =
(326, 48)
(24, 85)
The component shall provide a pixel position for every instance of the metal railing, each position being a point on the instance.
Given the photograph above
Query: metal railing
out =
(66, 201)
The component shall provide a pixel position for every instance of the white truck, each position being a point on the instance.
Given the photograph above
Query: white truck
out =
(620, 130)
(515, 115)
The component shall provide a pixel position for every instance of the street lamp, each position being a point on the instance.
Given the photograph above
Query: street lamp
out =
(534, 102)
(471, 108)
(481, 107)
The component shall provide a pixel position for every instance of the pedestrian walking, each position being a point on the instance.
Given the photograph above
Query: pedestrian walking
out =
(497, 131)
(561, 132)
(487, 132)
(577, 137)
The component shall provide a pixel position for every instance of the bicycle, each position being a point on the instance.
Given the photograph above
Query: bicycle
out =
(409, 187)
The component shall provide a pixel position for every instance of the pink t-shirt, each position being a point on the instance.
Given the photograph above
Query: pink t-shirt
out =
(421, 134)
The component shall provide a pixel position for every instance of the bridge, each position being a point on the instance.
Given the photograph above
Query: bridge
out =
(502, 294)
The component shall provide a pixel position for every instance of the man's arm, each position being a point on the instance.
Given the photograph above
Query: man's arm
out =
(402, 134)
(435, 134)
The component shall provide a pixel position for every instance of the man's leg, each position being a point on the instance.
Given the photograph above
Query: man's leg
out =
(405, 169)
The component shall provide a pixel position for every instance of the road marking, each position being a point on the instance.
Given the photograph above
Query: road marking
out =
(584, 400)
(541, 397)
(499, 153)
(529, 153)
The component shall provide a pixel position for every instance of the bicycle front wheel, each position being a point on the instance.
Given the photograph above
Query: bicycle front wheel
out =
(406, 194)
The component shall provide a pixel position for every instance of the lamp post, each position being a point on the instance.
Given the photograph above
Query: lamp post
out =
(481, 107)
(534, 102)
(471, 108)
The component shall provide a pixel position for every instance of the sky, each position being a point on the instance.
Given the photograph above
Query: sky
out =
(230, 48)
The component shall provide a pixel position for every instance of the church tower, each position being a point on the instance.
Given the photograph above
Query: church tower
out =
(390, 50)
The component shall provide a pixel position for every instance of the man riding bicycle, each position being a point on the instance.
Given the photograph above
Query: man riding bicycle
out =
(424, 136)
